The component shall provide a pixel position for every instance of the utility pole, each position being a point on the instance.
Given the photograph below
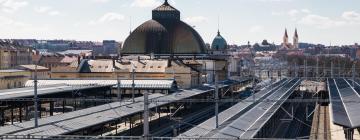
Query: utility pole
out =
(35, 98)
(146, 116)
(216, 101)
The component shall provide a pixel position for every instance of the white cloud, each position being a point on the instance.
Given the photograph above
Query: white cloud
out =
(8, 22)
(257, 29)
(293, 12)
(54, 13)
(42, 9)
(351, 16)
(196, 19)
(108, 17)
(47, 10)
(101, 1)
(320, 21)
(11, 6)
(145, 3)
(307, 11)
(276, 0)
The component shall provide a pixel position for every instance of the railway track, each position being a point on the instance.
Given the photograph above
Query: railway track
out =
(321, 124)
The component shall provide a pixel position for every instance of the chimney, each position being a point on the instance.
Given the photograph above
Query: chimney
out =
(169, 63)
(78, 60)
(113, 63)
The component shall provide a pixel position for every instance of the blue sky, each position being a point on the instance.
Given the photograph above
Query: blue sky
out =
(318, 21)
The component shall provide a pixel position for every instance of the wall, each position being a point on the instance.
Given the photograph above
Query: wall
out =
(10, 80)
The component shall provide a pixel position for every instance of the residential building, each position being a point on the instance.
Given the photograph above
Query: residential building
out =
(111, 47)
(12, 54)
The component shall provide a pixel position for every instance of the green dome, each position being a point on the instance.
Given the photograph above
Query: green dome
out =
(219, 43)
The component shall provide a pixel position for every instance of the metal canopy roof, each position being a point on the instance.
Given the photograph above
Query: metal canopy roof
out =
(345, 102)
(139, 84)
(247, 125)
(78, 122)
(45, 90)
(238, 109)
(58, 118)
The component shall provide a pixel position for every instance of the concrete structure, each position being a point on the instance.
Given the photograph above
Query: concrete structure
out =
(13, 78)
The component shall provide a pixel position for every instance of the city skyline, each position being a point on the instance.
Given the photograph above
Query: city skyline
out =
(240, 20)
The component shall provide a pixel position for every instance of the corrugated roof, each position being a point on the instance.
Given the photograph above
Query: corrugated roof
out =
(139, 84)
(42, 90)
(77, 122)
(345, 102)
(204, 128)
(246, 126)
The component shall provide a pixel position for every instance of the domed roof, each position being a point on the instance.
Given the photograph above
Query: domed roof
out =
(219, 43)
(166, 12)
(151, 26)
(163, 35)
(166, 7)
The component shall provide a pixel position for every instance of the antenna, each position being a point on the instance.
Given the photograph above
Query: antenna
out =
(218, 24)
(130, 27)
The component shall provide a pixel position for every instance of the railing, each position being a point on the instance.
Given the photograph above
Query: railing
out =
(73, 137)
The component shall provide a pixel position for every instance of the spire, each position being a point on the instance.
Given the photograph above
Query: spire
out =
(296, 33)
(218, 25)
(286, 34)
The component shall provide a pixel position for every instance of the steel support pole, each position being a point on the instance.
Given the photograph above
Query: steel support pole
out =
(133, 85)
(146, 116)
(35, 98)
(118, 88)
(216, 102)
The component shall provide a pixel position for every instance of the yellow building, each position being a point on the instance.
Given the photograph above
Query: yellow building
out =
(185, 76)
(13, 78)
(42, 72)
(12, 55)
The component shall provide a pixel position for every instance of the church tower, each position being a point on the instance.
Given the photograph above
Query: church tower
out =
(285, 39)
(296, 40)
